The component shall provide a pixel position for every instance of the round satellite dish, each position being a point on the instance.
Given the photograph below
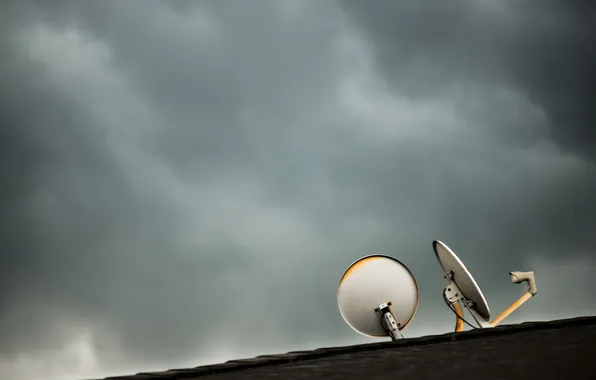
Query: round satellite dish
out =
(373, 281)
(456, 272)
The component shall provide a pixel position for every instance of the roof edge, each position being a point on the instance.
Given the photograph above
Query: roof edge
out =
(293, 356)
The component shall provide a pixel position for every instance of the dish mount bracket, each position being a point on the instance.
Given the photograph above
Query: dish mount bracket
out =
(388, 321)
(453, 295)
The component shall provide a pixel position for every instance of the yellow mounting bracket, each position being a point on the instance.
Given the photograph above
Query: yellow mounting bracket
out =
(518, 278)
(459, 319)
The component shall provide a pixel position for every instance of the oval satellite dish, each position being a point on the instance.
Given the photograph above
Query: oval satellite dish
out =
(378, 296)
(463, 289)
(456, 272)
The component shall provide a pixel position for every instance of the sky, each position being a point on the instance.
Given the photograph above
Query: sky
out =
(185, 182)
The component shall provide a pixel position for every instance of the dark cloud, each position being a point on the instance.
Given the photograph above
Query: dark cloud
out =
(541, 48)
(164, 169)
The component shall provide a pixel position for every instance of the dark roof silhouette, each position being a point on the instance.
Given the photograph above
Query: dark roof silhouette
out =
(562, 349)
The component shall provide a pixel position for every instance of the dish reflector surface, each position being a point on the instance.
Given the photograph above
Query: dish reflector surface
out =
(462, 278)
(373, 280)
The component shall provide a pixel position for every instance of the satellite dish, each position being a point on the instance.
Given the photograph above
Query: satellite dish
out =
(456, 272)
(463, 289)
(378, 296)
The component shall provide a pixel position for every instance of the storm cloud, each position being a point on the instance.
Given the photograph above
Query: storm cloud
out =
(185, 182)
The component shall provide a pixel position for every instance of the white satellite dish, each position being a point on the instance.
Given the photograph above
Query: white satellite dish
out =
(378, 296)
(463, 289)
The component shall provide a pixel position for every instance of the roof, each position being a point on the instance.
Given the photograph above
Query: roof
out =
(542, 350)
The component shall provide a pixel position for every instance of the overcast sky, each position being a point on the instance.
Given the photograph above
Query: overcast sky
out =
(185, 182)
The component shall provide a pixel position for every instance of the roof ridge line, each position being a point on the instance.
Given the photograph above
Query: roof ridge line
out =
(236, 365)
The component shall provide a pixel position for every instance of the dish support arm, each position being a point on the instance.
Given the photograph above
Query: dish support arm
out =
(518, 278)
(459, 318)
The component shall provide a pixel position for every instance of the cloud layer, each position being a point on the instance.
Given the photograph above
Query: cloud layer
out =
(172, 168)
